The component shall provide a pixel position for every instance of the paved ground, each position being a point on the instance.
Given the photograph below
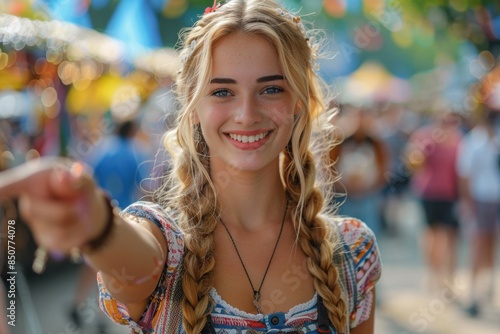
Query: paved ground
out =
(406, 300)
(405, 306)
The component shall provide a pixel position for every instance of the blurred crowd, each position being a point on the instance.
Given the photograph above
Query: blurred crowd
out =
(446, 160)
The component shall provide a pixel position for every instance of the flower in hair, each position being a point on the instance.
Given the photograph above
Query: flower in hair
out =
(212, 9)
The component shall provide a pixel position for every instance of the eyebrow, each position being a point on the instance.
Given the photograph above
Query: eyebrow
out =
(259, 80)
(271, 78)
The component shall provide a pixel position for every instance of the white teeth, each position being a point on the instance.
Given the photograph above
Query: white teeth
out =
(248, 139)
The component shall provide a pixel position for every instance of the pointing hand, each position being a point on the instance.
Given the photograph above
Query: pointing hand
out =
(58, 200)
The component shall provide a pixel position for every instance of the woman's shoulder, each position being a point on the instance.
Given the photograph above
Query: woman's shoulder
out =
(164, 217)
(358, 246)
(351, 230)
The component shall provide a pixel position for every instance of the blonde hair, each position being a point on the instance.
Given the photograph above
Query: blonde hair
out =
(189, 188)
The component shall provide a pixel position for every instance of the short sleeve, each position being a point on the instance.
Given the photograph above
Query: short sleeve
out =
(117, 311)
(362, 248)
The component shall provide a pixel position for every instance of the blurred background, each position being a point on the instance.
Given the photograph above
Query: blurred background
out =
(417, 84)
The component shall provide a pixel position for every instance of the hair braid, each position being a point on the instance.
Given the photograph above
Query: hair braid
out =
(198, 219)
(313, 237)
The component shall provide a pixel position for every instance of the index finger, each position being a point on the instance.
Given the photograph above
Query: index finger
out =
(32, 177)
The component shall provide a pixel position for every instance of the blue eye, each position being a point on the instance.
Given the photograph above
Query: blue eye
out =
(221, 93)
(273, 90)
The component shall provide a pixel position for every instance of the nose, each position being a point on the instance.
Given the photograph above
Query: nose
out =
(248, 111)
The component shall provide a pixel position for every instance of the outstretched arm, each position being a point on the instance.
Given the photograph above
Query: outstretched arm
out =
(65, 210)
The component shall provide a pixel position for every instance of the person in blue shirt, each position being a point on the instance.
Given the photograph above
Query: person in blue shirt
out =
(119, 165)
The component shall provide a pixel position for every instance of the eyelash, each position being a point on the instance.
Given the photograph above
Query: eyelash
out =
(217, 92)
(275, 88)
(226, 92)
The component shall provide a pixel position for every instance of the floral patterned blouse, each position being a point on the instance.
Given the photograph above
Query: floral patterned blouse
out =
(359, 269)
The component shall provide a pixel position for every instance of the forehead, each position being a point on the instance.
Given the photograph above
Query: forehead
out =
(242, 54)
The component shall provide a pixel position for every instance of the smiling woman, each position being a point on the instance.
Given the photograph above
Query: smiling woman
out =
(239, 239)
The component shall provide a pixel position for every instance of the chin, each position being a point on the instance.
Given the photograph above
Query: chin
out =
(246, 167)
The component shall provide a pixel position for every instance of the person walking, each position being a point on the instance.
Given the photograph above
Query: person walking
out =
(362, 159)
(478, 166)
(432, 155)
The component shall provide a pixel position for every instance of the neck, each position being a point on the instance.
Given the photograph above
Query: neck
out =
(250, 200)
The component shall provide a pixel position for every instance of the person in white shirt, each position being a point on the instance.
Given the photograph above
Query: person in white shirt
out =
(478, 167)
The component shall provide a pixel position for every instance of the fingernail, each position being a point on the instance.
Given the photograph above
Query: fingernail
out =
(76, 172)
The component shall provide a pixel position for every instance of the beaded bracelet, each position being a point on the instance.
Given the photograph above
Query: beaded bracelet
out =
(98, 242)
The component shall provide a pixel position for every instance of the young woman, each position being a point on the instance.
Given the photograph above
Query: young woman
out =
(239, 239)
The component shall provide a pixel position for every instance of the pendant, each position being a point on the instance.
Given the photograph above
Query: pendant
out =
(256, 300)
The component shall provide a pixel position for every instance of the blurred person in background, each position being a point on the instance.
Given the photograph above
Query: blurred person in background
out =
(396, 127)
(362, 161)
(431, 156)
(119, 163)
(478, 167)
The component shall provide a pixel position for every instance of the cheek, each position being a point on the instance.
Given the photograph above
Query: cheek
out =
(216, 115)
(212, 118)
(281, 114)
(204, 113)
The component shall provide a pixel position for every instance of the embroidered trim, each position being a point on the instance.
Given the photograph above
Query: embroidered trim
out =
(289, 316)
(219, 301)
(292, 313)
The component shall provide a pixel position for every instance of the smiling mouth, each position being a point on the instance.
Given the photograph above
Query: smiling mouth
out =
(248, 139)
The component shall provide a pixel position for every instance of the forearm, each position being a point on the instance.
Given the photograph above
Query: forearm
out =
(131, 261)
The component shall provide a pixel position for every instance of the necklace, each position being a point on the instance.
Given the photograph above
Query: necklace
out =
(256, 293)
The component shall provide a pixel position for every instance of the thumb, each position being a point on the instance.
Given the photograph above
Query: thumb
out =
(70, 181)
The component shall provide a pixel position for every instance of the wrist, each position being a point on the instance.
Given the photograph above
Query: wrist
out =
(97, 242)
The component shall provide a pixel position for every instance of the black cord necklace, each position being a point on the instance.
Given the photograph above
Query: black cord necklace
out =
(256, 293)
